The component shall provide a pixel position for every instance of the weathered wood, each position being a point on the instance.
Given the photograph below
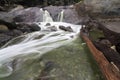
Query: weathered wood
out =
(107, 69)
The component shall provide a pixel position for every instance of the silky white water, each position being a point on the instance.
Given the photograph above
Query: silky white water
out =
(38, 42)
(60, 16)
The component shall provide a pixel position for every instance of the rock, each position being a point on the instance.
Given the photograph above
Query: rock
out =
(24, 28)
(104, 41)
(69, 29)
(17, 32)
(4, 38)
(7, 17)
(32, 14)
(71, 16)
(53, 28)
(103, 5)
(47, 24)
(28, 27)
(1, 8)
(8, 35)
(3, 28)
(66, 28)
(9, 25)
(35, 27)
(18, 7)
(62, 27)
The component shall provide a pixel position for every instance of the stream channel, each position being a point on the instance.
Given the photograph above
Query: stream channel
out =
(49, 54)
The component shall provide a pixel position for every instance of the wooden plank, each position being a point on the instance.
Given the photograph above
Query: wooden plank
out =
(107, 69)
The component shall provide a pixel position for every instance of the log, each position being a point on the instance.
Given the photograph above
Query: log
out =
(110, 72)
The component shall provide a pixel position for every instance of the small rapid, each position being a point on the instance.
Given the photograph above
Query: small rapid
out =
(39, 42)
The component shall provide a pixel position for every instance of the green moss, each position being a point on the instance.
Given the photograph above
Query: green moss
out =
(95, 34)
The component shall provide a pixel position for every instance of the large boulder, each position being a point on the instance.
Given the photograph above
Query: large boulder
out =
(71, 16)
(32, 14)
(104, 5)
(7, 17)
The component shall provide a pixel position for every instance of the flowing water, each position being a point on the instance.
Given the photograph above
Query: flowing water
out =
(49, 54)
(60, 16)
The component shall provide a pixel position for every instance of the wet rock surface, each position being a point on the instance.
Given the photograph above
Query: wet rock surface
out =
(28, 27)
(104, 6)
(69, 29)
(32, 14)
(71, 16)
(113, 26)
(4, 38)
(47, 24)
(9, 32)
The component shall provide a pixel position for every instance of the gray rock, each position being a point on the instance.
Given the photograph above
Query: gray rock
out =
(66, 28)
(4, 38)
(103, 5)
(47, 24)
(53, 28)
(32, 14)
(24, 27)
(35, 27)
(71, 16)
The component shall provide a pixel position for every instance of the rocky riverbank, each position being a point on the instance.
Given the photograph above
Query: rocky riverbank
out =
(19, 20)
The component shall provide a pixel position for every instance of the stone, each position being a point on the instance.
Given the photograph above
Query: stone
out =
(4, 39)
(18, 7)
(71, 16)
(103, 5)
(66, 28)
(35, 27)
(33, 14)
(53, 28)
(17, 32)
(9, 25)
(24, 27)
(48, 24)
(69, 29)
(3, 28)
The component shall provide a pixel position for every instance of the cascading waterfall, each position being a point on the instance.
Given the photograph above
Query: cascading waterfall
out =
(37, 43)
(60, 16)
(46, 16)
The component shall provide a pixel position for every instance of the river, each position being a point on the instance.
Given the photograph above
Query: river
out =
(56, 52)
